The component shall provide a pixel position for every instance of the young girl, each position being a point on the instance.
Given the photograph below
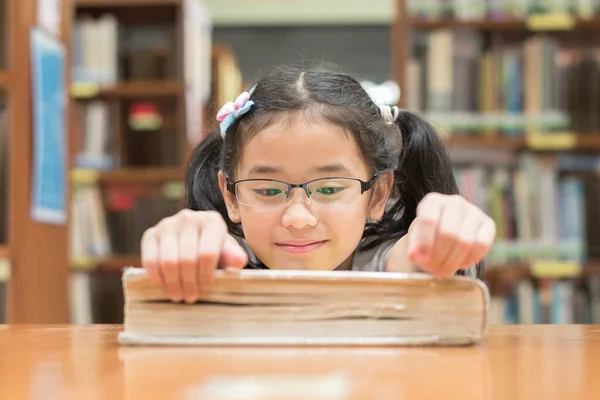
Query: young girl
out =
(301, 175)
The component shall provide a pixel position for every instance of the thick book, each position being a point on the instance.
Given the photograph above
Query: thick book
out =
(266, 307)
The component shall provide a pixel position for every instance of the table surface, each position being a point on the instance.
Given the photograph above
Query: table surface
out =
(85, 362)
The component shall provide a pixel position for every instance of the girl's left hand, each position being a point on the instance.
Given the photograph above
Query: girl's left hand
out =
(448, 234)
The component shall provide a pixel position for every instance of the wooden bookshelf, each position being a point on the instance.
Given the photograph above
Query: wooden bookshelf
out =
(125, 3)
(501, 25)
(127, 175)
(502, 279)
(108, 264)
(128, 90)
(146, 129)
(117, 263)
(583, 142)
(498, 34)
(485, 141)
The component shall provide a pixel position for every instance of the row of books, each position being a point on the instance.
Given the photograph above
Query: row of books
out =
(545, 207)
(535, 85)
(498, 9)
(547, 301)
(139, 133)
(111, 222)
(104, 51)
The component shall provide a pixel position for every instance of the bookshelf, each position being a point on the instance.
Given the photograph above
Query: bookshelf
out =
(500, 76)
(139, 104)
(583, 142)
(128, 89)
(126, 3)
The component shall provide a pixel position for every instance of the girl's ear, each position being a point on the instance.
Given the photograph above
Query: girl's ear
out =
(381, 194)
(232, 208)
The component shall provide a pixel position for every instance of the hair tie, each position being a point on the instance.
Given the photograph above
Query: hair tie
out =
(389, 114)
(233, 110)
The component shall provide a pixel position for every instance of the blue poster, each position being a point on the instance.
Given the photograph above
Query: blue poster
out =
(49, 128)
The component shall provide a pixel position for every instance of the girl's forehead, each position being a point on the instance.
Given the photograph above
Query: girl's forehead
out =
(298, 148)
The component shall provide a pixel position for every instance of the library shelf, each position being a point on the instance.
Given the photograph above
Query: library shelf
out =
(125, 3)
(128, 175)
(117, 263)
(107, 264)
(583, 141)
(516, 271)
(496, 25)
(484, 141)
(128, 89)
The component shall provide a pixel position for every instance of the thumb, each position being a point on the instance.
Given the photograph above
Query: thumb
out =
(233, 255)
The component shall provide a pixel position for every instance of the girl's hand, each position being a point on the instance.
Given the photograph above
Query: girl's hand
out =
(448, 234)
(182, 252)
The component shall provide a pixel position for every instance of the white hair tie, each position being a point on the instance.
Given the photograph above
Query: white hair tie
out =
(389, 114)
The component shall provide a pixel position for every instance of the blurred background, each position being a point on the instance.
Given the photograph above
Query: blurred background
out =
(512, 85)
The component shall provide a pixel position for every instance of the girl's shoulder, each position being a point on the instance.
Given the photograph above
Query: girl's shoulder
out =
(373, 258)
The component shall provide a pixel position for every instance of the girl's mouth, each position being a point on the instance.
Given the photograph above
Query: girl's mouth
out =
(300, 247)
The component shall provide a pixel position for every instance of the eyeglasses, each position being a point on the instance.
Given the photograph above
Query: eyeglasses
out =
(271, 192)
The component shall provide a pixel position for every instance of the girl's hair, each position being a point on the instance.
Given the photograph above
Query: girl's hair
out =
(411, 147)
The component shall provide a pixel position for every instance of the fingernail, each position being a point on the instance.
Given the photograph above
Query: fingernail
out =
(191, 299)
(175, 297)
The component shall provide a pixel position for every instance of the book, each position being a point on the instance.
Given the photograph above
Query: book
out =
(267, 307)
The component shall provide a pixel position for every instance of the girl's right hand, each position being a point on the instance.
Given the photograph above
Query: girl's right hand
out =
(182, 252)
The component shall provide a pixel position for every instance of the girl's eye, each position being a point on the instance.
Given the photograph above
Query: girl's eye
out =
(268, 192)
(329, 190)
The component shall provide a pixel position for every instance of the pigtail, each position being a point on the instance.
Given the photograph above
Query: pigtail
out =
(424, 166)
(201, 181)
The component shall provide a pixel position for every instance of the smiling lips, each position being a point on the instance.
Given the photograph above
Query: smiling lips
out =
(299, 247)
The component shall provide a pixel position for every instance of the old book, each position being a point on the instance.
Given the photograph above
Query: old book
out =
(247, 307)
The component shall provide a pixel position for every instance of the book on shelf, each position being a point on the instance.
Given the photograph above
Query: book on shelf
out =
(545, 207)
(137, 133)
(106, 51)
(539, 85)
(549, 301)
(111, 222)
(308, 307)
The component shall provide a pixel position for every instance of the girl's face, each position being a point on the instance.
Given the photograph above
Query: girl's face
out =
(299, 233)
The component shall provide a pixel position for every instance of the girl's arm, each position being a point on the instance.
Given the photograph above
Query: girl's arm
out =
(448, 234)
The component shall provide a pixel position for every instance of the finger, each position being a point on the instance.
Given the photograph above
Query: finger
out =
(484, 240)
(188, 262)
(150, 256)
(449, 226)
(210, 246)
(233, 255)
(463, 245)
(422, 232)
(169, 261)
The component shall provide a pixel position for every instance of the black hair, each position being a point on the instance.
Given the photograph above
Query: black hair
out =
(411, 147)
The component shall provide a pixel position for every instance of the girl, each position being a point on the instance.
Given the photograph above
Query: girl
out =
(300, 177)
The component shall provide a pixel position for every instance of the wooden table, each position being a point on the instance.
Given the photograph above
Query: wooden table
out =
(84, 362)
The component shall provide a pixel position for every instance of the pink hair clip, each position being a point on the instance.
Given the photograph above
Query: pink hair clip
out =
(232, 110)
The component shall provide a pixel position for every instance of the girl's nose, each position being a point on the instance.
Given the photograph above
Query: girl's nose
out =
(297, 213)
